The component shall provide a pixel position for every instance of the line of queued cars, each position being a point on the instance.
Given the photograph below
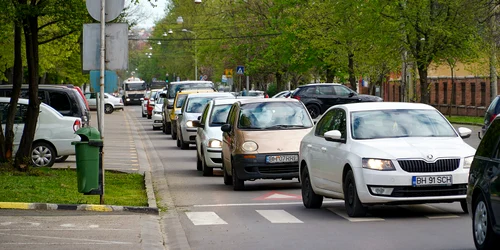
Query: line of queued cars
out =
(366, 153)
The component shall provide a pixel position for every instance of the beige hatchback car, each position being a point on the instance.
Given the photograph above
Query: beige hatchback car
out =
(261, 140)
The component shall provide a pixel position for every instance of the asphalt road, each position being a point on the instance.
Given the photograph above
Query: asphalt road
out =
(203, 213)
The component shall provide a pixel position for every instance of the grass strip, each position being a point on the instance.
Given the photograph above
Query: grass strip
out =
(466, 119)
(59, 186)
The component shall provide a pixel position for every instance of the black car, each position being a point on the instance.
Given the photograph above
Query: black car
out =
(62, 98)
(491, 113)
(483, 190)
(319, 97)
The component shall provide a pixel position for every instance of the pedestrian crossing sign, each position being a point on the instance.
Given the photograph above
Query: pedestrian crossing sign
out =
(240, 70)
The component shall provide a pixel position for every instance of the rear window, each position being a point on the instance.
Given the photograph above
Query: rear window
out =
(60, 102)
(274, 116)
(493, 108)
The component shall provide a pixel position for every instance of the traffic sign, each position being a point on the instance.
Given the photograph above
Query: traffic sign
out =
(228, 72)
(113, 9)
(240, 70)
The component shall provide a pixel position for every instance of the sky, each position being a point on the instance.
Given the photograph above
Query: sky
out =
(150, 14)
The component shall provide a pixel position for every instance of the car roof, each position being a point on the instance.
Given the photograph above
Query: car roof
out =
(225, 101)
(196, 90)
(210, 94)
(320, 84)
(21, 101)
(259, 100)
(188, 81)
(366, 106)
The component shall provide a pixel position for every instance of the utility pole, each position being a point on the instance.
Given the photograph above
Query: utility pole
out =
(101, 89)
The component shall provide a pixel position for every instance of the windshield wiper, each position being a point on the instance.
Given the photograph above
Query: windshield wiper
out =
(282, 126)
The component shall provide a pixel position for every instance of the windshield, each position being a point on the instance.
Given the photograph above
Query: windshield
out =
(197, 104)
(378, 124)
(174, 88)
(219, 115)
(135, 86)
(180, 101)
(159, 101)
(274, 115)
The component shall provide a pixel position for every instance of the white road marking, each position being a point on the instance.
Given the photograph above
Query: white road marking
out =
(443, 217)
(205, 218)
(278, 216)
(281, 196)
(66, 238)
(343, 214)
(93, 226)
(6, 223)
(67, 225)
(35, 224)
(262, 204)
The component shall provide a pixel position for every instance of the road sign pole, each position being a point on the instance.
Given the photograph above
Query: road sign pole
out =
(101, 90)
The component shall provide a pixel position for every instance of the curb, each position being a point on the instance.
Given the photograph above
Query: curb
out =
(83, 207)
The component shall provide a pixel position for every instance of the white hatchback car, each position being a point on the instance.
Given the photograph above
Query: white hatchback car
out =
(54, 132)
(191, 109)
(157, 118)
(111, 103)
(209, 135)
(384, 153)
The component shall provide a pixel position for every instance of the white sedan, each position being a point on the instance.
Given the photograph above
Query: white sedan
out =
(53, 135)
(384, 153)
(111, 103)
(209, 135)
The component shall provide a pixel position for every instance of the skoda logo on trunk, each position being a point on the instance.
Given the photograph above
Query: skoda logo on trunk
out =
(429, 157)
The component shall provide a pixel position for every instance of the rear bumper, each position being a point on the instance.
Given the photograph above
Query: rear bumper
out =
(257, 168)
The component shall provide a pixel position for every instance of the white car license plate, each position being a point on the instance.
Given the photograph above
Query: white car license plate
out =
(282, 158)
(435, 180)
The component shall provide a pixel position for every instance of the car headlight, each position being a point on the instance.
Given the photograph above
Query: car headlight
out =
(128, 99)
(249, 146)
(378, 164)
(214, 143)
(468, 161)
(189, 124)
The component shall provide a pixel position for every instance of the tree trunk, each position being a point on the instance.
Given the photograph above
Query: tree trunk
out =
(16, 90)
(31, 37)
(279, 82)
(352, 77)
(330, 75)
(424, 85)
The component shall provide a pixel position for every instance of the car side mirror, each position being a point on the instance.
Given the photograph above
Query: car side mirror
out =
(226, 128)
(199, 118)
(334, 135)
(464, 132)
(351, 94)
(197, 124)
(163, 95)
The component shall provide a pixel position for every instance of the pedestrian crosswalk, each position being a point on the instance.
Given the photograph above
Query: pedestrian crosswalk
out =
(300, 215)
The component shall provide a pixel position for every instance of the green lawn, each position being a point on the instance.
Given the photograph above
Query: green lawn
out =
(59, 186)
(466, 119)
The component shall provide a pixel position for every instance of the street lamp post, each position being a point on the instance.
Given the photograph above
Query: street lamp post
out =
(195, 54)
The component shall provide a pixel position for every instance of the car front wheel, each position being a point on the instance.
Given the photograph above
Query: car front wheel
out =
(352, 203)
(207, 171)
(43, 154)
(108, 109)
(228, 180)
(309, 198)
(314, 110)
(484, 237)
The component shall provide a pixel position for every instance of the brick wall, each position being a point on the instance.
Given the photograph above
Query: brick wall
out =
(468, 96)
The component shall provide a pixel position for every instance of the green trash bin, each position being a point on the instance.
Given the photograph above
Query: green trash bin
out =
(88, 154)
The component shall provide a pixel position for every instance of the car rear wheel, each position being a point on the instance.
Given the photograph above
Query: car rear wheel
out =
(168, 129)
(352, 203)
(314, 110)
(108, 109)
(228, 180)
(43, 154)
(174, 132)
(238, 184)
(143, 115)
(484, 237)
(62, 158)
(198, 163)
(207, 171)
(309, 198)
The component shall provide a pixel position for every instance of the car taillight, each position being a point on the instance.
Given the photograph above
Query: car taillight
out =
(493, 117)
(296, 97)
(77, 125)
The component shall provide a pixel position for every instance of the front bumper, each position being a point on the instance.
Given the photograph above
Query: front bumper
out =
(213, 157)
(403, 191)
(157, 122)
(119, 106)
(188, 135)
(257, 168)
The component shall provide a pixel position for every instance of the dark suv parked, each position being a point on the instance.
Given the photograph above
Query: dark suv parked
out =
(319, 97)
(483, 190)
(491, 113)
(62, 98)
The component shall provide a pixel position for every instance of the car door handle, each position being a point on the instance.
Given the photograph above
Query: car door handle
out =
(323, 149)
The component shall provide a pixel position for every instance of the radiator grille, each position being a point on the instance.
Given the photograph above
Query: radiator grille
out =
(421, 166)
